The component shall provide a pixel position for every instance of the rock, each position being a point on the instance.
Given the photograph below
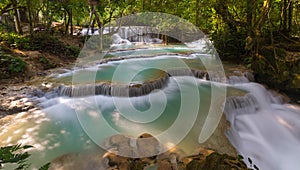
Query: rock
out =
(216, 161)
(78, 161)
(144, 146)
(164, 165)
(218, 141)
(148, 146)
(113, 160)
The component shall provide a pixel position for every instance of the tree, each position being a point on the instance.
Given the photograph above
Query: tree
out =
(17, 16)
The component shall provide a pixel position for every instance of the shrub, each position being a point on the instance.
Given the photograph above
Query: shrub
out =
(15, 40)
(10, 65)
(12, 154)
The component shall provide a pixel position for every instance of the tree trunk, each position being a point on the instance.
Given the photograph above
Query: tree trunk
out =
(252, 41)
(28, 3)
(290, 16)
(66, 22)
(17, 17)
(250, 7)
(221, 8)
(100, 25)
(197, 22)
(71, 21)
(285, 4)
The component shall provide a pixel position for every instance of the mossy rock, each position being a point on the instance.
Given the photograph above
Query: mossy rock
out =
(216, 161)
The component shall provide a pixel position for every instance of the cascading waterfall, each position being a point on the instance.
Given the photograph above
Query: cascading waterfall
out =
(264, 130)
(128, 34)
(131, 90)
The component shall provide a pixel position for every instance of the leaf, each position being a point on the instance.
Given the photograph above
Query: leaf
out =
(45, 167)
(27, 146)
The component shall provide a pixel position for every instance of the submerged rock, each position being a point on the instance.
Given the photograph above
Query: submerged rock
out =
(143, 146)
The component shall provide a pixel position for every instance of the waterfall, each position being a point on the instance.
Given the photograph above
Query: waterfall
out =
(143, 34)
(263, 129)
(128, 90)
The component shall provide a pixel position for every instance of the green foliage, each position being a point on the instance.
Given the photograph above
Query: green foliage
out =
(46, 63)
(46, 42)
(45, 167)
(15, 154)
(15, 40)
(39, 41)
(275, 68)
(10, 65)
(230, 45)
(72, 51)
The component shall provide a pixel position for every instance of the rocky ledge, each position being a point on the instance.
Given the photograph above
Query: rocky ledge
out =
(173, 159)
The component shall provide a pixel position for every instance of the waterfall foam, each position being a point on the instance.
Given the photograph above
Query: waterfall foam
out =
(264, 130)
(127, 90)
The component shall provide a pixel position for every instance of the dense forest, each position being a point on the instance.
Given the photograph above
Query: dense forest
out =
(262, 34)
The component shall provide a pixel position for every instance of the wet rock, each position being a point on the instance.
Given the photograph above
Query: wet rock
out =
(218, 141)
(148, 146)
(164, 165)
(144, 146)
(216, 161)
(78, 161)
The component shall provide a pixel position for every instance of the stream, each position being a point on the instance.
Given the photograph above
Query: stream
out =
(176, 93)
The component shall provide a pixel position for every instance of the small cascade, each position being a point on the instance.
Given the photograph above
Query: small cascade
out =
(128, 90)
(237, 79)
(144, 34)
(240, 77)
(263, 129)
(189, 72)
(110, 89)
(240, 105)
(139, 34)
(117, 40)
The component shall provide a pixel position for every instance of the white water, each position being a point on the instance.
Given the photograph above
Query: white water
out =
(263, 129)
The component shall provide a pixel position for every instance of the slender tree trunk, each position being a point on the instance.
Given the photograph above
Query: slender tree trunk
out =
(290, 16)
(285, 5)
(250, 7)
(252, 41)
(284, 16)
(197, 22)
(100, 25)
(49, 17)
(221, 8)
(28, 2)
(66, 21)
(17, 17)
(71, 21)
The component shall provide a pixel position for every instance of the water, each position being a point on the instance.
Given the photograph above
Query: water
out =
(263, 128)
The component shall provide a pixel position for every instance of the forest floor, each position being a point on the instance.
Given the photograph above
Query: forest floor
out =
(15, 89)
